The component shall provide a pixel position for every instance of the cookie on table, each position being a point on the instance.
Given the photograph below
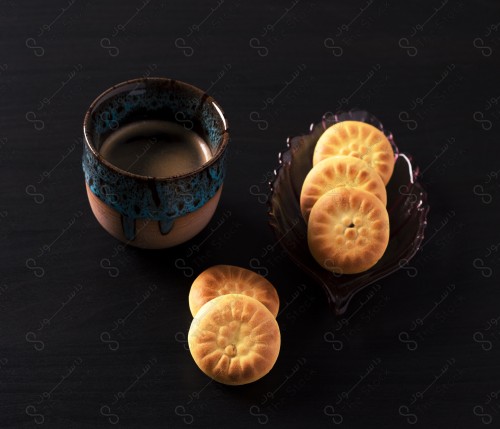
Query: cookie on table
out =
(234, 339)
(339, 171)
(348, 230)
(360, 140)
(224, 279)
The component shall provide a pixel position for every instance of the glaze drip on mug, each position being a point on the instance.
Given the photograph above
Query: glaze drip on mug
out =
(154, 148)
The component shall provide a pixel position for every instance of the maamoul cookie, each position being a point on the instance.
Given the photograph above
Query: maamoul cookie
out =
(234, 339)
(360, 140)
(348, 230)
(224, 279)
(335, 172)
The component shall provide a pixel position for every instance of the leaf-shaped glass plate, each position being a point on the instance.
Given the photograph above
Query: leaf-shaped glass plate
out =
(406, 203)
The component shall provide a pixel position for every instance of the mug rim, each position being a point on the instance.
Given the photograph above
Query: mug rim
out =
(215, 158)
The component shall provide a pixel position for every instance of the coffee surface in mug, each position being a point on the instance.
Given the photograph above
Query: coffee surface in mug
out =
(155, 148)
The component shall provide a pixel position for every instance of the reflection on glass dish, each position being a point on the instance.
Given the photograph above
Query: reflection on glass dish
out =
(406, 203)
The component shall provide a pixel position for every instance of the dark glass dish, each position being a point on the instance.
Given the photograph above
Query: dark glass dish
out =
(406, 203)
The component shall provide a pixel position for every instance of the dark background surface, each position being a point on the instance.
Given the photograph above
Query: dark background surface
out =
(65, 366)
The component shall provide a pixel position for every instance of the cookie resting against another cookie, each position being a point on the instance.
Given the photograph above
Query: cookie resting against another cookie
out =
(335, 172)
(224, 279)
(234, 339)
(348, 230)
(360, 140)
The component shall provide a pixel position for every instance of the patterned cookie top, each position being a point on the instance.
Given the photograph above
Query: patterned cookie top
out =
(339, 171)
(359, 140)
(224, 279)
(348, 230)
(234, 339)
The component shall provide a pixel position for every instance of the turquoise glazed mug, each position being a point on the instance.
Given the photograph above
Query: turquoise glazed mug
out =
(153, 210)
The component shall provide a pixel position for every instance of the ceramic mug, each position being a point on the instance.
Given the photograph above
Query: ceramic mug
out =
(144, 211)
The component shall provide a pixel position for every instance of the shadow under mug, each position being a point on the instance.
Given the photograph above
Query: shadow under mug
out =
(144, 211)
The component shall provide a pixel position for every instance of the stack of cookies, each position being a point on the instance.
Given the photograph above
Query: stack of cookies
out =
(234, 337)
(343, 198)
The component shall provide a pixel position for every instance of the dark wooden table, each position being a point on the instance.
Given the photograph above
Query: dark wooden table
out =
(63, 365)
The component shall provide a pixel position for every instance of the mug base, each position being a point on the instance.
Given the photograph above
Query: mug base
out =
(148, 234)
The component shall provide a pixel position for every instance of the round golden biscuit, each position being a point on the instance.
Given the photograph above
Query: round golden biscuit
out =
(234, 339)
(360, 140)
(223, 279)
(348, 230)
(335, 172)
